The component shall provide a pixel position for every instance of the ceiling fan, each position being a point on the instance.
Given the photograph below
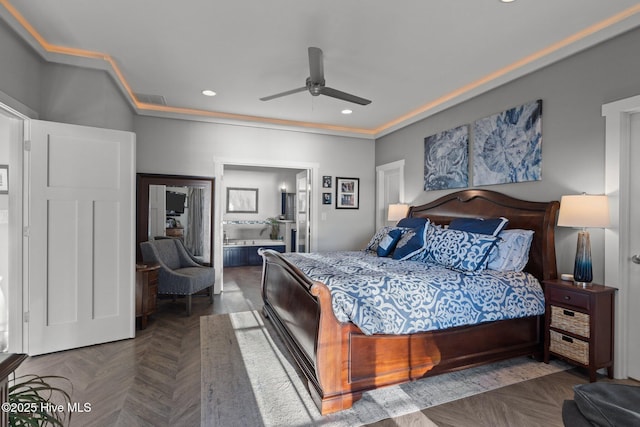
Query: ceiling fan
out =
(315, 82)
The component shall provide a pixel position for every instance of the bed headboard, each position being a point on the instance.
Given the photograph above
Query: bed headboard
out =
(537, 216)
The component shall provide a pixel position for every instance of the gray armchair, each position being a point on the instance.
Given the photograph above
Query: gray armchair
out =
(179, 274)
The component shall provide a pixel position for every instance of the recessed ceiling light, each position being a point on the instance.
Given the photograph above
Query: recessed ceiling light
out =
(208, 92)
(507, 1)
(346, 111)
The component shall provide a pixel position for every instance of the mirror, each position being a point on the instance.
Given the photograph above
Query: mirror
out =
(176, 206)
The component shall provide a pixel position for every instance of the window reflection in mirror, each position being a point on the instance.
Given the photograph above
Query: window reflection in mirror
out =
(176, 207)
(179, 212)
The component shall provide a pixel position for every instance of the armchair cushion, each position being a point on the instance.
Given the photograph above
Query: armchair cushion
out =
(179, 274)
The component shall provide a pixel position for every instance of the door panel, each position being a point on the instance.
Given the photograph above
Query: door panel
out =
(303, 186)
(62, 262)
(634, 239)
(106, 248)
(81, 236)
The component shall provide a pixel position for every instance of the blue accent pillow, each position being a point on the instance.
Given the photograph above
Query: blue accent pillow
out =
(412, 243)
(388, 242)
(512, 252)
(412, 222)
(459, 250)
(491, 226)
(377, 238)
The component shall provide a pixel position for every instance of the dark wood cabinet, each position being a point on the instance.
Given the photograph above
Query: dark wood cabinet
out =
(579, 325)
(9, 362)
(146, 291)
(175, 232)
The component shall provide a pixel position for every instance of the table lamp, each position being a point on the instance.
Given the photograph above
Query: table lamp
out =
(583, 211)
(397, 211)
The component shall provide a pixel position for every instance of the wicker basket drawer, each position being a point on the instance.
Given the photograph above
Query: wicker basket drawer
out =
(570, 321)
(572, 348)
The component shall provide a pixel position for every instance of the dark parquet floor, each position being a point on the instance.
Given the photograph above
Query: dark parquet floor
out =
(154, 379)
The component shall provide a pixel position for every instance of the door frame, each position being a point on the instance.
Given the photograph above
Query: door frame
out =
(17, 300)
(218, 209)
(381, 171)
(617, 243)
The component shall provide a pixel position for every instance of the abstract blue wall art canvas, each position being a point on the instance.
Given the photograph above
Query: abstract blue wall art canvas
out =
(507, 147)
(446, 159)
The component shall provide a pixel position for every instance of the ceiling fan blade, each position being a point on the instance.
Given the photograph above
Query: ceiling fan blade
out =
(334, 93)
(316, 67)
(278, 95)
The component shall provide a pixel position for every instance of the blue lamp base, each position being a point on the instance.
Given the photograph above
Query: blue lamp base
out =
(582, 270)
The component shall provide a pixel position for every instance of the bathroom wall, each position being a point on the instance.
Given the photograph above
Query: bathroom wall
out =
(269, 182)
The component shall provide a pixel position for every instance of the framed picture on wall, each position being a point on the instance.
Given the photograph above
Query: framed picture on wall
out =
(4, 179)
(347, 193)
(242, 200)
(326, 198)
(326, 181)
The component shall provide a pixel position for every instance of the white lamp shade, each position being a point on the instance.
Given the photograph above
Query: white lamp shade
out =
(397, 212)
(584, 211)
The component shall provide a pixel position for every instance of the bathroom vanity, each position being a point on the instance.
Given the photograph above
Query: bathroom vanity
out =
(237, 253)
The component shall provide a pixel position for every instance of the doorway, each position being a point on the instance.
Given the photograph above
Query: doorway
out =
(621, 239)
(11, 240)
(271, 180)
(390, 185)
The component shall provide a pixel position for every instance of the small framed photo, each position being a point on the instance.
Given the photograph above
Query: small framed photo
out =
(326, 181)
(347, 193)
(326, 198)
(4, 179)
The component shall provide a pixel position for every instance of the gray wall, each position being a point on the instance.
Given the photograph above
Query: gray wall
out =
(190, 148)
(82, 96)
(60, 93)
(572, 93)
(20, 69)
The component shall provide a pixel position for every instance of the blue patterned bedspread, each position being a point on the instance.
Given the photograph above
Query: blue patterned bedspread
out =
(387, 296)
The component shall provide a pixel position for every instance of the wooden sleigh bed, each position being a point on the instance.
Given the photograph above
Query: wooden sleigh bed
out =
(340, 362)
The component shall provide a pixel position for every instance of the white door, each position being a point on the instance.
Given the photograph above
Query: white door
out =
(81, 216)
(390, 189)
(634, 238)
(303, 188)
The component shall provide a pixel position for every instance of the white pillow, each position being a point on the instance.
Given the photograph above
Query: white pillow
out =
(512, 253)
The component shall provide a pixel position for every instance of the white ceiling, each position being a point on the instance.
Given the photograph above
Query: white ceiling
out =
(410, 57)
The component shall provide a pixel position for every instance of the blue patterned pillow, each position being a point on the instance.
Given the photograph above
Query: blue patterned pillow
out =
(491, 226)
(412, 222)
(412, 244)
(377, 238)
(459, 250)
(388, 242)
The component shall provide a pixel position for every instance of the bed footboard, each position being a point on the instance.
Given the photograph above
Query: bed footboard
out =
(300, 310)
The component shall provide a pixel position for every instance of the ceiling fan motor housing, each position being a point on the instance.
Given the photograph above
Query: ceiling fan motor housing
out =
(315, 88)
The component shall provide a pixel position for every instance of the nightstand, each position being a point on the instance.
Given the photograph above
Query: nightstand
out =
(579, 325)
(146, 291)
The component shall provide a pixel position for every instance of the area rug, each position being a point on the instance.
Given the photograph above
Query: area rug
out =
(248, 378)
